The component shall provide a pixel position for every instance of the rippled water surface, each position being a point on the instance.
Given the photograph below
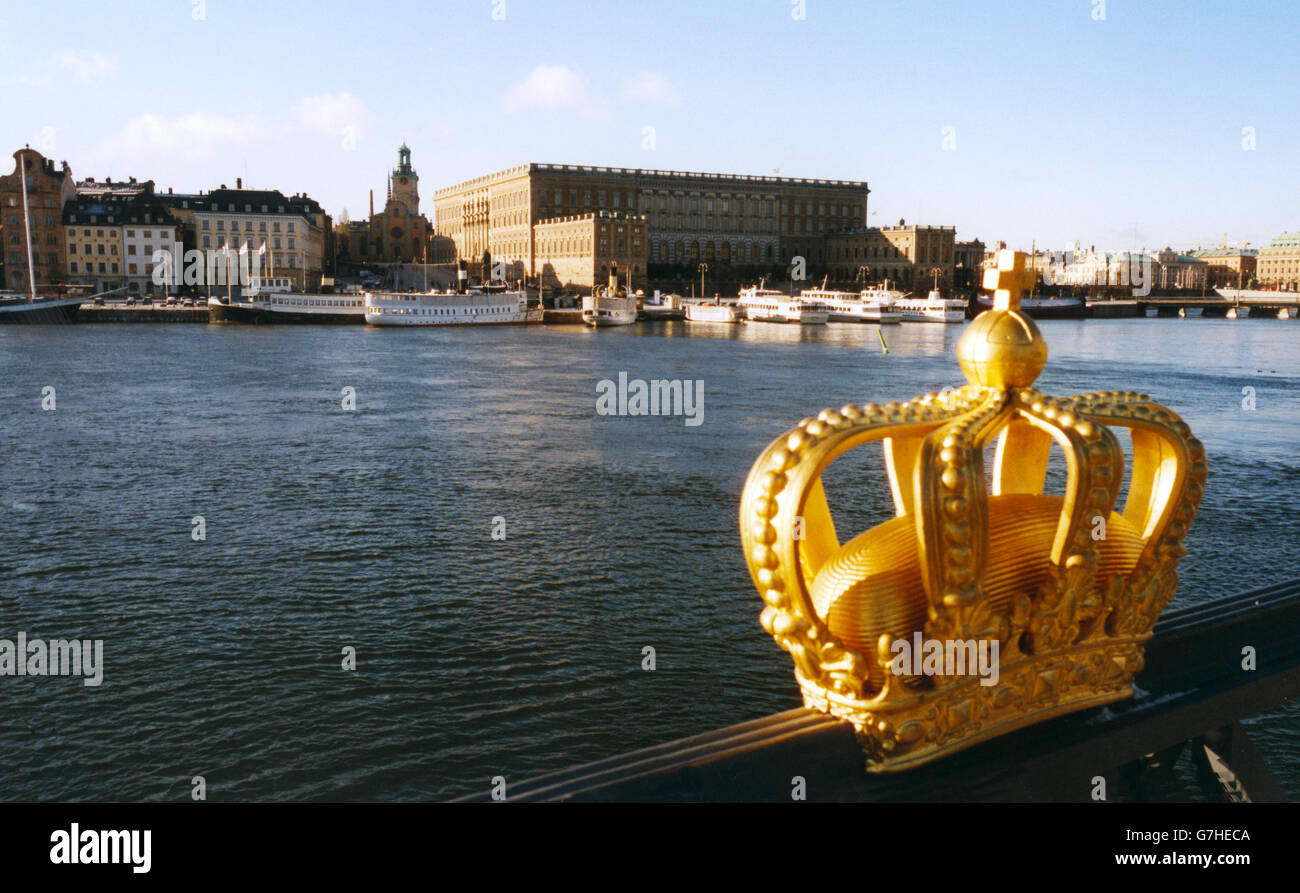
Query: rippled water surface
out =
(372, 529)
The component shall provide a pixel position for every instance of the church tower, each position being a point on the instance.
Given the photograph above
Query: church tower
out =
(404, 183)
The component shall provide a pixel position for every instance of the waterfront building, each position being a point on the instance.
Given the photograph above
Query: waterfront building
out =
(1279, 262)
(93, 242)
(1228, 266)
(574, 253)
(907, 256)
(48, 190)
(147, 226)
(967, 264)
(1178, 271)
(291, 230)
(727, 219)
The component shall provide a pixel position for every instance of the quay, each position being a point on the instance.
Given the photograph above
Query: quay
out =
(122, 313)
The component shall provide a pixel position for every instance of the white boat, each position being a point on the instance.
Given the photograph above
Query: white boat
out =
(933, 308)
(606, 308)
(1190, 312)
(851, 306)
(1286, 313)
(1237, 313)
(704, 311)
(488, 305)
(769, 305)
(610, 305)
(270, 302)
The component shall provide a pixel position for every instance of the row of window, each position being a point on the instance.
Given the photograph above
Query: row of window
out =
(90, 268)
(72, 248)
(235, 243)
(248, 226)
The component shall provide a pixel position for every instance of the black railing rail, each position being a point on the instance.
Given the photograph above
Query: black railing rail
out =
(1194, 690)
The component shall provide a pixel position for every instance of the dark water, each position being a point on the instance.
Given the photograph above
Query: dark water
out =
(372, 529)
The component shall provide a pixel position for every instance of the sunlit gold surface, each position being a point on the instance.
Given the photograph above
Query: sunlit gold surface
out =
(1070, 610)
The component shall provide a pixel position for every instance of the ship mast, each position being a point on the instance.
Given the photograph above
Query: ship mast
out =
(27, 225)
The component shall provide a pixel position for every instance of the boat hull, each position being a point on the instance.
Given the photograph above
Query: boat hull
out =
(524, 319)
(802, 319)
(723, 315)
(605, 319)
(260, 315)
(882, 318)
(40, 312)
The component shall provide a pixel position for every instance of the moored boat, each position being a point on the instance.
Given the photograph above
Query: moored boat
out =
(769, 305)
(705, 311)
(273, 303)
(848, 306)
(488, 305)
(16, 308)
(932, 308)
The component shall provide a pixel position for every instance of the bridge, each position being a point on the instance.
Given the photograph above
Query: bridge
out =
(1190, 701)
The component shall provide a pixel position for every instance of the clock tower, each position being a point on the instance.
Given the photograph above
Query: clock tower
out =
(404, 183)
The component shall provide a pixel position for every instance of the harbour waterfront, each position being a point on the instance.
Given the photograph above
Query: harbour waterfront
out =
(372, 528)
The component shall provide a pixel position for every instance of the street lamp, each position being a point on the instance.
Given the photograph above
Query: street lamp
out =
(704, 268)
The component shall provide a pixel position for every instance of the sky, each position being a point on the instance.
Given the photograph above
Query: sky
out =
(1115, 123)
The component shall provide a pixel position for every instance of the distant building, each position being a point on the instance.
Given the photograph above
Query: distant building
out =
(291, 231)
(575, 252)
(1279, 262)
(399, 233)
(905, 256)
(1228, 266)
(967, 264)
(1182, 271)
(147, 227)
(722, 219)
(48, 190)
(93, 236)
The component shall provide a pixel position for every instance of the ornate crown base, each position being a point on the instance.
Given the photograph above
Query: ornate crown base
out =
(904, 727)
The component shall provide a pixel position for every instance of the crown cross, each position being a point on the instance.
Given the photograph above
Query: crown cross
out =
(1010, 280)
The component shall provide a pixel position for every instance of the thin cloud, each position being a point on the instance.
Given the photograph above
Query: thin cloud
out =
(650, 86)
(195, 134)
(552, 87)
(334, 114)
(87, 66)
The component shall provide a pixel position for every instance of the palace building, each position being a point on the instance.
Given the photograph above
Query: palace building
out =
(689, 217)
(1279, 262)
(1233, 267)
(576, 252)
(905, 256)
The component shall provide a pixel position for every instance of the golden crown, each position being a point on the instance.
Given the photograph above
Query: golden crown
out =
(1061, 591)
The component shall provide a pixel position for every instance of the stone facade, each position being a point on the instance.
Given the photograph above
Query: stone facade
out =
(1228, 267)
(907, 257)
(1279, 262)
(293, 230)
(48, 190)
(93, 236)
(399, 233)
(690, 217)
(574, 253)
